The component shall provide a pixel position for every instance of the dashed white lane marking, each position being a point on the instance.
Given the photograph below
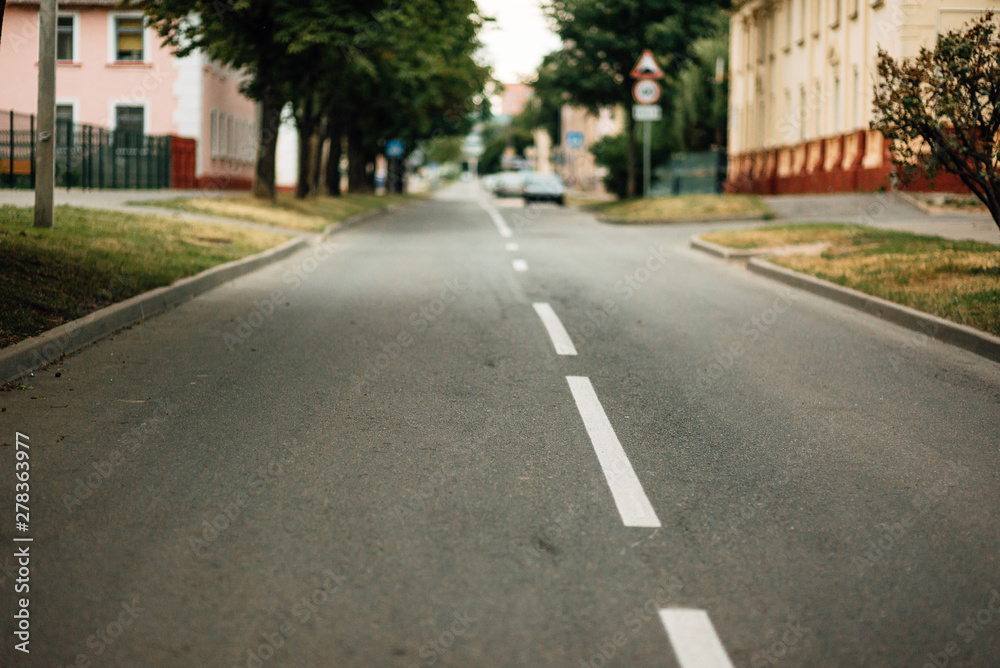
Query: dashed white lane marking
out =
(694, 639)
(633, 505)
(511, 246)
(560, 337)
(520, 265)
(498, 220)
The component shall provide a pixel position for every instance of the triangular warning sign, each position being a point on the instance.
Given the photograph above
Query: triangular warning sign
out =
(647, 68)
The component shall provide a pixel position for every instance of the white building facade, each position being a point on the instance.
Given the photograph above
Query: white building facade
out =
(803, 74)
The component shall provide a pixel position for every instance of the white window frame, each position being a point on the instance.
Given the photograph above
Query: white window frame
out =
(126, 102)
(70, 102)
(113, 38)
(76, 34)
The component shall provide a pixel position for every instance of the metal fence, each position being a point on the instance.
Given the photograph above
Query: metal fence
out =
(691, 173)
(86, 156)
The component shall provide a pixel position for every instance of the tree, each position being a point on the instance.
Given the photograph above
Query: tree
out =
(940, 109)
(602, 39)
(272, 41)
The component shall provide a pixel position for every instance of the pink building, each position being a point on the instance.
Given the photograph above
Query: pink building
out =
(115, 72)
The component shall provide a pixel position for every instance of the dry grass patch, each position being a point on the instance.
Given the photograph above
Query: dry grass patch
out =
(309, 215)
(957, 280)
(683, 208)
(776, 236)
(92, 259)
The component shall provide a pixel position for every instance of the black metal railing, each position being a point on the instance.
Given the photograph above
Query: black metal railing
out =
(87, 156)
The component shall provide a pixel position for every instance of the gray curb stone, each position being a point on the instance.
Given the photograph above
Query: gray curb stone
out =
(981, 343)
(726, 253)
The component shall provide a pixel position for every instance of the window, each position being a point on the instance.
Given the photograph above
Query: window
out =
(64, 38)
(214, 133)
(803, 107)
(836, 105)
(857, 98)
(803, 13)
(130, 119)
(128, 39)
(64, 124)
(789, 23)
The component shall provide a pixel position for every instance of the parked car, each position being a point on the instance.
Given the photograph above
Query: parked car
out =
(508, 184)
(544, 188)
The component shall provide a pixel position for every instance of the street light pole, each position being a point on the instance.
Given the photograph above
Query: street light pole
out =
(46, 149)
(647, 159)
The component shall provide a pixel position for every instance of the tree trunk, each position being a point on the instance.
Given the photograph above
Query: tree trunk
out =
(3, 5)
(264, 174)
(630, 186)
(306, 122)
(357, 167)
(318, 141)
(335, 135)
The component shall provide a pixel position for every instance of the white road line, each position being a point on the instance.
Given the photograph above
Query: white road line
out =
(520, 265)
(498, 220)
(511, 246)
(694, 639)
(633, 506)
(560, 337)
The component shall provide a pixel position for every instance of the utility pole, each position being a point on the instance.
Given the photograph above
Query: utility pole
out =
(46, 150)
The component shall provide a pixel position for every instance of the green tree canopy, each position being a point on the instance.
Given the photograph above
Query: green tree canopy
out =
(603, 39)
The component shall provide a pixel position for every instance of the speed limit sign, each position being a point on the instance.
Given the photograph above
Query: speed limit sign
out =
(646, 91)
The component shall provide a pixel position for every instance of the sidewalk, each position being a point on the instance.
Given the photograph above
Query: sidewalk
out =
(118, 200)
(884, 210)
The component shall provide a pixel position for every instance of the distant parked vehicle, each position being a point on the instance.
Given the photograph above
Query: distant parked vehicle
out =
(544, 188)
(509, 184)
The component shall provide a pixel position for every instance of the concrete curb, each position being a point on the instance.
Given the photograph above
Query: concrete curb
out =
(746, 218)
(354, 220)
(981, 343)
(34, 353)
(726, 253)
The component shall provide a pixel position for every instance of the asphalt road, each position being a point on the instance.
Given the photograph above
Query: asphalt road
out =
(372, 454)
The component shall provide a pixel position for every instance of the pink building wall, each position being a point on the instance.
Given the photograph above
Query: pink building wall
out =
(180, 96)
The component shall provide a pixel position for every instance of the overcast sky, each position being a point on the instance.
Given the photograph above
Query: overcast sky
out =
(517, 41)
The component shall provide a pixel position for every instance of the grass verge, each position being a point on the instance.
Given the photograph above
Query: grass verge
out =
(309, 215)
(957, 280)
(92, 259)
(683, 208)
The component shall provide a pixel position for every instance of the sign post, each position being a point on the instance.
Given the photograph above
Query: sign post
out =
(646, 93)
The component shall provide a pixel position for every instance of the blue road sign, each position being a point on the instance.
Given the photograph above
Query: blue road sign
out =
(394, 148)
(574, 139)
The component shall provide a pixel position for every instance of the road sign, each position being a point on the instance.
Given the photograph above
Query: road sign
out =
(574, 139)
(647, 68)
(647, 112)
(646, 91)
(394, 148)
